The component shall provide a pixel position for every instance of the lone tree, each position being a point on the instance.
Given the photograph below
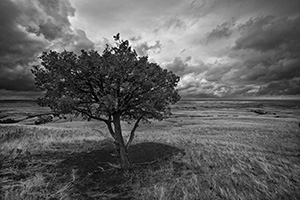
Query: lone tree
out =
(117, 85)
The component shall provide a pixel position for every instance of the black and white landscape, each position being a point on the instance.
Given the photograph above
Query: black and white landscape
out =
(207, 149)
(110, 70)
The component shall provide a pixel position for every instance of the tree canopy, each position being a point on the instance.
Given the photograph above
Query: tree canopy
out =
(112, 86)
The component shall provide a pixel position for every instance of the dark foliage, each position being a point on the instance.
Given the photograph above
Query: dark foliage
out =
(113, 86)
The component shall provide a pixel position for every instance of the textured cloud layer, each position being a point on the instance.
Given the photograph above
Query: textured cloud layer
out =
(218, 48)
(27, 29)
(263, 58)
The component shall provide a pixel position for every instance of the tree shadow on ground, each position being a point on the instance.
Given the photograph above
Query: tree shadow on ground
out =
(85, 170)
(94, 176)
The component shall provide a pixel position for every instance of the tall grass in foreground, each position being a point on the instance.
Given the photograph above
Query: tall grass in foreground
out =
(31, 178)
(231, 158)
(30, 139)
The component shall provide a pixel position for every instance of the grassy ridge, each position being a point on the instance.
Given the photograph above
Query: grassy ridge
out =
(235, 156)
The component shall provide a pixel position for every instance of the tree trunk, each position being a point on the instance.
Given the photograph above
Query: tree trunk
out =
(121, 149)
(132, 132)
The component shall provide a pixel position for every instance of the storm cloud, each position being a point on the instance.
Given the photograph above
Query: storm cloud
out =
(273, 48)
(223, 30)
(264, 59)
(27, 29)
(218, 48)
(270, 33)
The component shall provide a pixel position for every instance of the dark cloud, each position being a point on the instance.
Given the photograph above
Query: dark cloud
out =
(182, 67)
(264, 71)
(217, 72)
(250, 77)
(242, 91)
(267, 53)
(270, 33)
(17, 49)
(144, 48)
(252, 74)
(27, 29)
(13, 39)
(242, 79)
(178, 66)
(221, 31)
(46, 17)
(283, 87)
(21, 82)
(202, 8)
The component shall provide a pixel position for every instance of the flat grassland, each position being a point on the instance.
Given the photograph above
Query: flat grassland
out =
(208, 149)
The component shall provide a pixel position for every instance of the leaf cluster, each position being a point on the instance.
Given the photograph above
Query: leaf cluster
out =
(101, 85)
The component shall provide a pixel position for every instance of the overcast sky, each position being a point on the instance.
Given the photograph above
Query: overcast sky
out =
(219, 48)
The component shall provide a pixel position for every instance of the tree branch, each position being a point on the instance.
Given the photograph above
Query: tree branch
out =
(89, 84)
(133, 131)
(90, 115)
(111, 131)
(92, 91)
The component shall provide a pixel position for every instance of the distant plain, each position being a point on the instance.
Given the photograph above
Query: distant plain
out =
(207, 149)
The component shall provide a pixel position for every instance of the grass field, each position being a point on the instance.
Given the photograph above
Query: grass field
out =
(205, 150)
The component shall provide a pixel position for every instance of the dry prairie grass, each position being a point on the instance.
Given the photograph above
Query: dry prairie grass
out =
(230, 159)
(240, 156)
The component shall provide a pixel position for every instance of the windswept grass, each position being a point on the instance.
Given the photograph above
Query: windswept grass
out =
(228, 159)
(32, 139)
(27, 170)
(241, 156)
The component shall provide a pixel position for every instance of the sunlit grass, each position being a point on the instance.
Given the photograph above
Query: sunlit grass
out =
(225, 158)
(32, 139)
(228, 159)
